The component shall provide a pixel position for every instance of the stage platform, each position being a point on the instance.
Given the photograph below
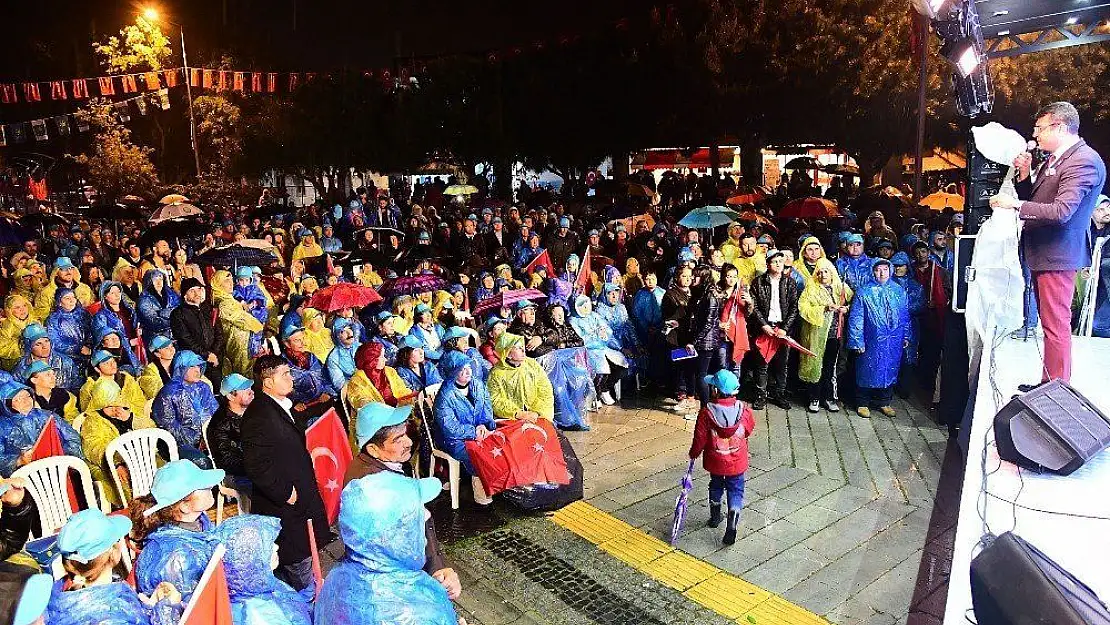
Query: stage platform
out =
(1081, 545)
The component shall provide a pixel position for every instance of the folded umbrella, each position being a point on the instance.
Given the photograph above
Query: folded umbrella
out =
(343, 295)
(682, 504)
(507, 298)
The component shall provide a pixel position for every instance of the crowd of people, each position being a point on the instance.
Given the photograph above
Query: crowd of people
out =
(104, 336)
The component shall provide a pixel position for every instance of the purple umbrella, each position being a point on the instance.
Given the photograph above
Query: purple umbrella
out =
(411, 285)
(682, 503)
(507, 298)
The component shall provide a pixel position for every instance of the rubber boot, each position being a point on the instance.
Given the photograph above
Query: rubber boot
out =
(715, 516)
(730, 528)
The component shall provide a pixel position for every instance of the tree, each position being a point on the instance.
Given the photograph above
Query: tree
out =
(117, 166)
(139, 47)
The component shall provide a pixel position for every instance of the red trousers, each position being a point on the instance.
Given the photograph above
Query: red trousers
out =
(1054, 291)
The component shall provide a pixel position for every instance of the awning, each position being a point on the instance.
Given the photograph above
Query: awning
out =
(937, 161)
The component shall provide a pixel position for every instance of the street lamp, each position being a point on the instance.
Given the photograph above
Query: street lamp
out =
(151, 14)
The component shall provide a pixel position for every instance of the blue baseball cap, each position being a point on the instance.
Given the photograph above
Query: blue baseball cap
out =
(89, 533)
(37, 366)
(854, 238)
(422, 308)
(160, 342)
(244, 272)
(487, 211)
(33, 599)
(564, 222)
(100, 356)
(494, 320)
(177, 480)
(375, 416)
(234, 382)
(34, 332)
(289, 331)
(385, 314)
(724, 381)
(64, 262)
(411, 342)
(455, 332)
(524, 304)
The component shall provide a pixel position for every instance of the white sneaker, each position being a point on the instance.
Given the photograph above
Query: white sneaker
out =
(831, 405)
(480, 496)
(815, 406)
(607, 399)
(670, 401)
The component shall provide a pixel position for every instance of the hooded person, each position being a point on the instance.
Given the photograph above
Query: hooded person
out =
(43, 382)
(94, 588)
(105, 365)
(810, 254)
(376, 381)
(603, 350)
(21, 424)
(879, 330)
(340, 361)
(518, 385)
(823, 306)
(317, 337)
(487, 286)
(237, 327)
(70, 326)
(647, 309)
(457, 339)
(380, 580)
(23, 283)
(257, 596)
(463, 409)
(612, 309)
(311, 385)
(155, 304)
(18, 314)
(119, 315)
(427, 331)
(109, 339)
(415, 369)
(64, 275)
(876, 227)
(855, 266)
(159, 364)
(254, 300)
(37, 347)
(901, 275)
(107, 416)
(387, 335)
(184, 404)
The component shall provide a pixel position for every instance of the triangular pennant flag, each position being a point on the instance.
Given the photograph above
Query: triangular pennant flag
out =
(152, 82)
(62, 122)
(224, 81)
(256, 82)
(38, 126)
(170, 75)
(31, 92)
(195, 77)
(239, 81)
(129, 85)
(80, 89)
(209, 79)
(58, 90)
(107, 86)
(140, 104)
(8, 94)
(271, 82)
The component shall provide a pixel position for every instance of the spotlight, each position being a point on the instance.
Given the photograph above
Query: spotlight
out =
(961, 53)
(1071, 21)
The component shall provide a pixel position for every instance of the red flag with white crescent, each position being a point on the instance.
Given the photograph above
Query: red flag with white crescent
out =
(583, 281)
(518, 453)
(211, 600)
(543, 260)
(330, 450)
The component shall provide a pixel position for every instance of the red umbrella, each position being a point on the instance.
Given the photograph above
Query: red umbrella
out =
(747, 196)
(810, 208)
(756, 217)
(343, 295)
(506, 298)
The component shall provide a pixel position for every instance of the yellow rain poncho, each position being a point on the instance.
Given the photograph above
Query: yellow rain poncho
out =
(800, 262)
(307, 251)
(133, 396)
(316, 335)
(403, 307)
(369, 278)
(44, 302)
(234, 325)
(817, 319)
(30, 291)
(513, 389)
(750, 267)
(150, 380)
(97, 431)
(11, 330)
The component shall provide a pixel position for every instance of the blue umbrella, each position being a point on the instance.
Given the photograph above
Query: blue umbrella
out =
(682, 503)
(709, 217)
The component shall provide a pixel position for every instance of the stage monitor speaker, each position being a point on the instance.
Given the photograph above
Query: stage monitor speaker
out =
(964, 272)
(1014, 583)
(1052, 428)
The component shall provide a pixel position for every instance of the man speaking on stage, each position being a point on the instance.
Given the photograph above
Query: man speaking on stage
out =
(1056, 202)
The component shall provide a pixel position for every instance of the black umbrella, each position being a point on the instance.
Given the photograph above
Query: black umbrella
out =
(43, 221)
(12, 233)
(236, 255)
(171, 229)
(374, 257)
(803, 162)
(419, 253)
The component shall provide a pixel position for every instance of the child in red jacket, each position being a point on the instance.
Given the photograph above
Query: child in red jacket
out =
(721, 433)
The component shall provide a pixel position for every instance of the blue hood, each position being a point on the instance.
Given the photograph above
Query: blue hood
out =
(182, 361)
(381, 521)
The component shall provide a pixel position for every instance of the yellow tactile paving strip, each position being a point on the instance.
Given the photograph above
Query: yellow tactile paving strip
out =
(701, 582)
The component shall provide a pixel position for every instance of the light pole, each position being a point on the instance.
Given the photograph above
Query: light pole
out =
(153, 16)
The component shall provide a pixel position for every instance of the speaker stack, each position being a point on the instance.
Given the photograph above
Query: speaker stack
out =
(984, 178)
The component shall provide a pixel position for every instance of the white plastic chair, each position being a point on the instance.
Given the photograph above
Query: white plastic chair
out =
(454, 467)
(46, 484)
(139, 451)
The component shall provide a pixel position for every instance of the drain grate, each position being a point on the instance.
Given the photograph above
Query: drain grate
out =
(570, 585)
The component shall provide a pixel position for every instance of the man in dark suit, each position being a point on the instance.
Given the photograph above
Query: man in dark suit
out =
(1056, 205)
(278, 465)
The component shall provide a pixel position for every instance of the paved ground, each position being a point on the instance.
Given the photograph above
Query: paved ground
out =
(841, 518)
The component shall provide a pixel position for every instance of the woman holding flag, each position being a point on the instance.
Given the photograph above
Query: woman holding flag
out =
(22, 429)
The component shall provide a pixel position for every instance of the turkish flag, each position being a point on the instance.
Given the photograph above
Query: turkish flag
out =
(518, 453)
(211, 601)
(543, 260)
(48, 445)
(330, 449)
(770, 345)
(583, 280)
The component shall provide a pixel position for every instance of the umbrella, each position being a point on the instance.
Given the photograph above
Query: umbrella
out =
(708, 217)
(843, 169)
(506, 298)
(682, 503)
(375, 257)
(638, 190)
(460, 189)
(756, 217)
(630, 223)
(380, 231)
(13, 233)
(418, 254)
(174, 198)
(43, 221)
(803, 162)
(810, 208)
(343, 295)
(940, 200)
(172, 229)
(132, 199)
(175, 211)
(235, 255)
(746, 198)
(258, 244)
(411, 285)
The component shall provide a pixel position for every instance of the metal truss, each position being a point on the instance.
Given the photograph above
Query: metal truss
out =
(1047, 39)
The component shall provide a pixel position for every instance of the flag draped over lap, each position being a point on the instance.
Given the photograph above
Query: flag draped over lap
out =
(519, 454)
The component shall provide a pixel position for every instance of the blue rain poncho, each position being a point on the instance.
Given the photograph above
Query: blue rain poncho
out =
(601, 345)
(915, 297)
(252, 293)
(310, 381)
(479, 366)
(19, 432)
(571, 384)
(153, 308)
(428, 375)
(856, 272)
(69, 377)
(458, 412)
(124, 356)
(181, 407)
(71, 330)
(647, 312)
(879, 324)
(341, 360)
(107, 317)
(111, 604)
(176, 555)
(380, 580)
(431, 340)
(257, 597)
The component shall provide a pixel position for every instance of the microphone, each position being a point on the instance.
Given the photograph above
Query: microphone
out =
(1037, 153)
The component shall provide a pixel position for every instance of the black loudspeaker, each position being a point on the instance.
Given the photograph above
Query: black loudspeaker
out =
(979, 192)
(1052, 428)
(1014, 583)
(974, 217)
(964, 248)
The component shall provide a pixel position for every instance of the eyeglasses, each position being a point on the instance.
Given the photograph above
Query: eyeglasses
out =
(1038, 127)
